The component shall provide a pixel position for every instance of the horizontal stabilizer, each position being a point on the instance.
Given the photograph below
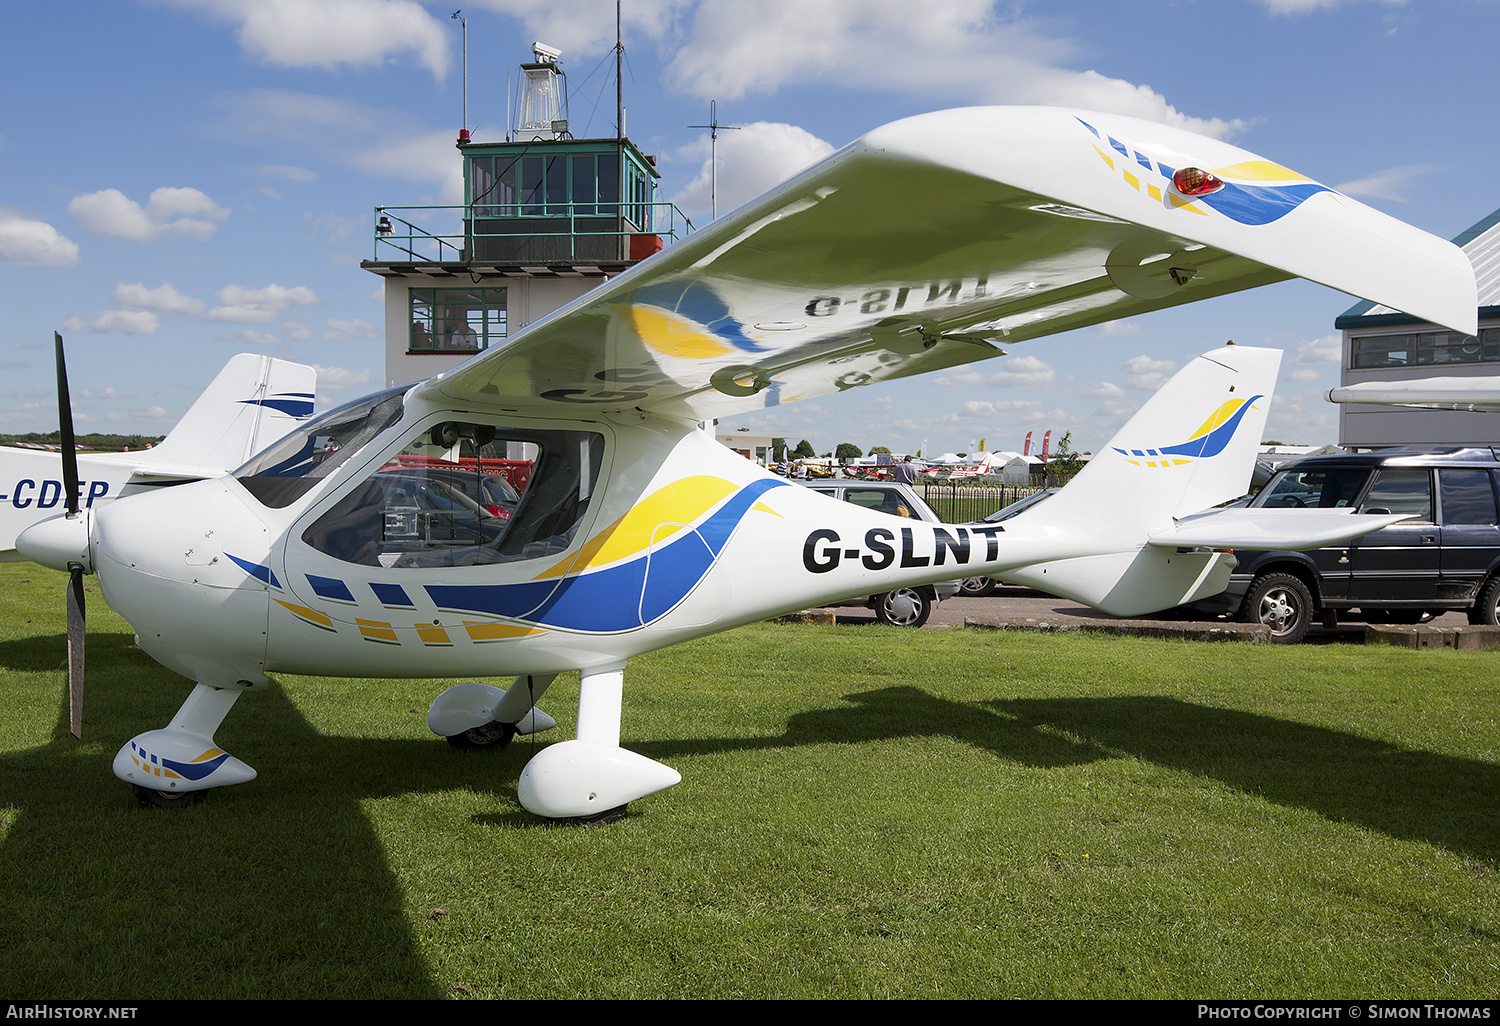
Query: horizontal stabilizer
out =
(1476, 395)
(1292, 530)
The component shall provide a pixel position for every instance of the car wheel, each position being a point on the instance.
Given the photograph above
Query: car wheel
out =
(1281, 602)
(976, 587)
(904, 607)
(1486, 608)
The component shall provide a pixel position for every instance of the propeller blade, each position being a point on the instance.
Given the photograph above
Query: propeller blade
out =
(75, 571)
(75, 650)
(65, 429)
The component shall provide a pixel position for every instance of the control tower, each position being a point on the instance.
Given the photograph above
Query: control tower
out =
(545, 218)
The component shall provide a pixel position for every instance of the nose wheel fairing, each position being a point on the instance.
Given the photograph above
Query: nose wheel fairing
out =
(182, 757)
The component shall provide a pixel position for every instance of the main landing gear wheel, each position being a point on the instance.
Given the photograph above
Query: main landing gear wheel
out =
(491, 735)
(1281, 602)
(152, 798)
(904, 607)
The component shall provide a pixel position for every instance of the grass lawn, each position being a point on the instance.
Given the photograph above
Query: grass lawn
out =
(864, 812)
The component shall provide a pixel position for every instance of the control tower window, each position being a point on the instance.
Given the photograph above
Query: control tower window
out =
(462, 320)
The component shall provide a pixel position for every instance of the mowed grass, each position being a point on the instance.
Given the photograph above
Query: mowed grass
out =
(864, 812)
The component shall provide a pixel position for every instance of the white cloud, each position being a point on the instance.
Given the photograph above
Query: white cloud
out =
(286, 172)
(1390, 184)
(165, 298)
(1306, 374)
(170, 213)
(1327, 349)
(33, 243)
(256, 306)
(1147, 374)
(343, 331)
(131, 322)
(1026, 373)
(1104, 390)
(250, 337)
(329, 34)
(1115, 329)
(337, 379)
(963, 49)
(1014, 408)
(751, 158)
(583, 28)
(1294, 7)
(382, 142)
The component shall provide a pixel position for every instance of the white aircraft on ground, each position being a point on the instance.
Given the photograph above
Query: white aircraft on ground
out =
(918, 247)
(254, 401)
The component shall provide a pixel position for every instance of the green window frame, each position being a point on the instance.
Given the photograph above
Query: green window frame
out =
(456, 320)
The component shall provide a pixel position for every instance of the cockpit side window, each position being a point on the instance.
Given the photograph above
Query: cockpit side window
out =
(466, 495)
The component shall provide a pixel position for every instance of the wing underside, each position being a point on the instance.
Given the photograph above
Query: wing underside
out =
(938, 241)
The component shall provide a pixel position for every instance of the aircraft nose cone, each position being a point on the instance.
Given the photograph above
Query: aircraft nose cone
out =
(58, 542)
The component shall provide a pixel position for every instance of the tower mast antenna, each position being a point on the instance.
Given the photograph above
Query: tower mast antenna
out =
(464, 24)
(713, 155)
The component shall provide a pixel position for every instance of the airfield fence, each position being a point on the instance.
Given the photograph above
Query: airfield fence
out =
(962, 504)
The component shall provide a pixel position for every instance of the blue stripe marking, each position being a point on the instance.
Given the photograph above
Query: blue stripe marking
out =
(330, 588)
(600, 602)
(256, 570)
(391, 594)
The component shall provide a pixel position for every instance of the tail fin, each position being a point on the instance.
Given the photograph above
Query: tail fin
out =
(1192, 446)
(253, 402)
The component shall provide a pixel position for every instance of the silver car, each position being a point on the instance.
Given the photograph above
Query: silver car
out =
(904, 607)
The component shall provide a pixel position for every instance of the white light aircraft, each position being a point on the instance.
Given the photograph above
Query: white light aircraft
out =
(252, 402)
(918, 247)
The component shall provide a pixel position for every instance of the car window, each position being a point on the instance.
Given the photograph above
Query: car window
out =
(1468, 496)
(1316, 488)
(1401, 490)
(880, 500)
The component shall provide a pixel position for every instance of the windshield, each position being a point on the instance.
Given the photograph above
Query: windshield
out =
(288, 469)
(1314, 488)
(1019, 506)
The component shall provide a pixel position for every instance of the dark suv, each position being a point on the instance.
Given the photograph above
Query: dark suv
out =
(1447, 557)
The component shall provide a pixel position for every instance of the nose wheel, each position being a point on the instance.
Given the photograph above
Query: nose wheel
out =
(154, 799)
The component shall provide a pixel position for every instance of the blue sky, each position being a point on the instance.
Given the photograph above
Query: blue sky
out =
(182, 180)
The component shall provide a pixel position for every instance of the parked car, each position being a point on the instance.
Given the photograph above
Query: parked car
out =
(978, 587)
(488, 489)
(904, 607)
(1446, 558)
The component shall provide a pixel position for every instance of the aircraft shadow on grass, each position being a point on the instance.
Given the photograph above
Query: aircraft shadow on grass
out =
(351, 909)
(346, 926)
(1404, 793)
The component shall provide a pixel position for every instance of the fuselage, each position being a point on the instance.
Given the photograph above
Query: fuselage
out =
(677, 537)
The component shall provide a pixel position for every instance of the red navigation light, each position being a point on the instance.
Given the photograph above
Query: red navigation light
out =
(1194, 181)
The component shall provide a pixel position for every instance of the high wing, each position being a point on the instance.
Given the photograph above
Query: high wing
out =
(935, 240)
(252, 402)
(1475, 395)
